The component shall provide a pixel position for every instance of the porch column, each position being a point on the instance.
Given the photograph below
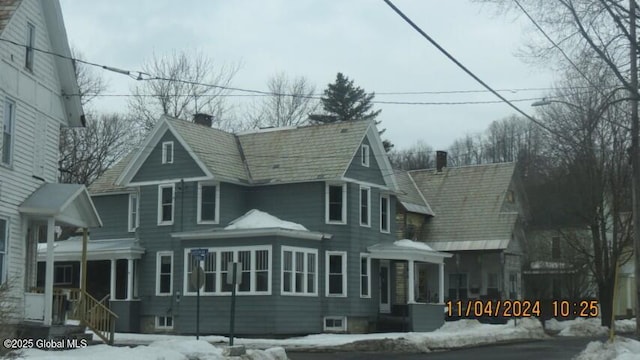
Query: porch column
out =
(48, 277)
(129, 279)
(441, 283)
(412, 283)
(113, 280)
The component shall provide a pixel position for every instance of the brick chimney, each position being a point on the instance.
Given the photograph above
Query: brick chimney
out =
(203, 119)
(441, 160)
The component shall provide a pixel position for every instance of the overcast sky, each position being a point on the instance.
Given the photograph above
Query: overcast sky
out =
(364, 39)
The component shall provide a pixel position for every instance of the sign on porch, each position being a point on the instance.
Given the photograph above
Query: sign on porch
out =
(200, 253)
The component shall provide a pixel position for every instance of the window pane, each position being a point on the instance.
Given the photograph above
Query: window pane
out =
(225, 258)
(335, 203)
(165, 283)
(208, 203)
(364, 206)
(165, 264)
(384, 213)
(286, 278)
(335, 284)
(335, 264)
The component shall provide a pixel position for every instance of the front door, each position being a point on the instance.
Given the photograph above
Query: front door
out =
(385, 289)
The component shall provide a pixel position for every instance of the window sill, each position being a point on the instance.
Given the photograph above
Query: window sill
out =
(164, 294)
(298, 295)
(208, 222)
(336, 295)
(165, 223)
(335, 223)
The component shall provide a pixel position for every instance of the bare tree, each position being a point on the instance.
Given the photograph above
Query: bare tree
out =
(181, 84)
(86, 153)
(418, 156)
(290, 103)
(468, 150)
(90, 82)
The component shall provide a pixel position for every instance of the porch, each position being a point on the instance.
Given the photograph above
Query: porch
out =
(411, 281)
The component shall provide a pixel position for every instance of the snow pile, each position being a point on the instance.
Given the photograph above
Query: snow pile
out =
(621, 349)
(172, 349)
(466, 332)
(413, 245)
(256, 219)
(588, 327)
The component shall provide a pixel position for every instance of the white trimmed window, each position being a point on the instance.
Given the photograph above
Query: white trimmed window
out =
(365, 155)
(164, 322)
(336, 204)
(299, 271)
(165, 204)
(4, 235)
(334, 324)
(31, 39)
(365, 206)
(208, 203)
(164, 273)
(384, 213)
(134, 216)
(167, 152)
(255, 270)
(63, 275)
(7, 131)
(365, 276)
(336, 273)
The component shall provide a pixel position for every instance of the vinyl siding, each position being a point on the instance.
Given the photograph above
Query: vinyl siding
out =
(183, 166)
(37, 104)
(114, 213)
(371, 174)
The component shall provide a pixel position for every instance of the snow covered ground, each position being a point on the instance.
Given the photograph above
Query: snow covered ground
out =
(588, 327)
(620, 349)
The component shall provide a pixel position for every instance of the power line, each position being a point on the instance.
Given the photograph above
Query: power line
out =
(461, 66)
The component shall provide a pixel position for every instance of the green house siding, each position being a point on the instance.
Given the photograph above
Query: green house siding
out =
(371, 174)
(183, 166)
(114, 212)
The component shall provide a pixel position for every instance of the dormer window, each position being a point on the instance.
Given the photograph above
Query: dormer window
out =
(31, 39)
(336, 204)
(167, 152)
(365, 155)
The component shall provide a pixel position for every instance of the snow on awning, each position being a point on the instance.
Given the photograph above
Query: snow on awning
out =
(69, 204)
(407, 250)
(71, 249)
(255, 223)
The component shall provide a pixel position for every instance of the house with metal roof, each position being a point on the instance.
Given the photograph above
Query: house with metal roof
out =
(477, 213)
(307, 213)
(37, 97)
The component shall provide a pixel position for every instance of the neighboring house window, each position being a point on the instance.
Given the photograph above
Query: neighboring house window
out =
(63, 275)
(208, 203)
(31, 39)
(164, 322)
(336, 200)
(335, 323)
(133, 212)
(336, 273)
(458, 286)
(365, 155)
(255, 270)
(167, 152)
(513, 285)
(555, 248)
(299, 271)
(384, 213)
(165, 204)
(493, 291)
(4, 235)
(365, 276)
(7, 131)
(164, 273)
(365, 207)
(511, 196)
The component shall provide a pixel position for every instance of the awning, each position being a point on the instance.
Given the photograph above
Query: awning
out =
(69, 204)
(407, 250)
(71, 249)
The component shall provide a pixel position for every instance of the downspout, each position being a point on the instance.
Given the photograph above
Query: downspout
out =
(181, 205)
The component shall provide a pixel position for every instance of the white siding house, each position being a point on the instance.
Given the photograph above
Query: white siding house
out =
(38, 95)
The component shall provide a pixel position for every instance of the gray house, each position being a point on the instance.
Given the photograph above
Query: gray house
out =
(307, 211)
(478, 214)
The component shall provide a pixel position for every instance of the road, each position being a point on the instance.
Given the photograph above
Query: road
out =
(556, 348)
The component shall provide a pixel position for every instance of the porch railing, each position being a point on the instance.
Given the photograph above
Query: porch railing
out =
(81, 306)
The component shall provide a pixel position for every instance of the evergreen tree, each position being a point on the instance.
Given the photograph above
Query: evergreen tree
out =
(343, 101)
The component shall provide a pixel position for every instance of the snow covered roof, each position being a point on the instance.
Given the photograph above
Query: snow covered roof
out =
(256, 219)
(406, 249)
(255, 223)
(71, 249)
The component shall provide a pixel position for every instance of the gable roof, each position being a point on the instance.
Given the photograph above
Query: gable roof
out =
(306, 153)
(7, 8)
(67, 203)
(273, 156)
(468, 202)
(409, 195)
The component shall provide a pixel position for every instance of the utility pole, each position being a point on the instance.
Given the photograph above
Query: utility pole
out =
(635, 154)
